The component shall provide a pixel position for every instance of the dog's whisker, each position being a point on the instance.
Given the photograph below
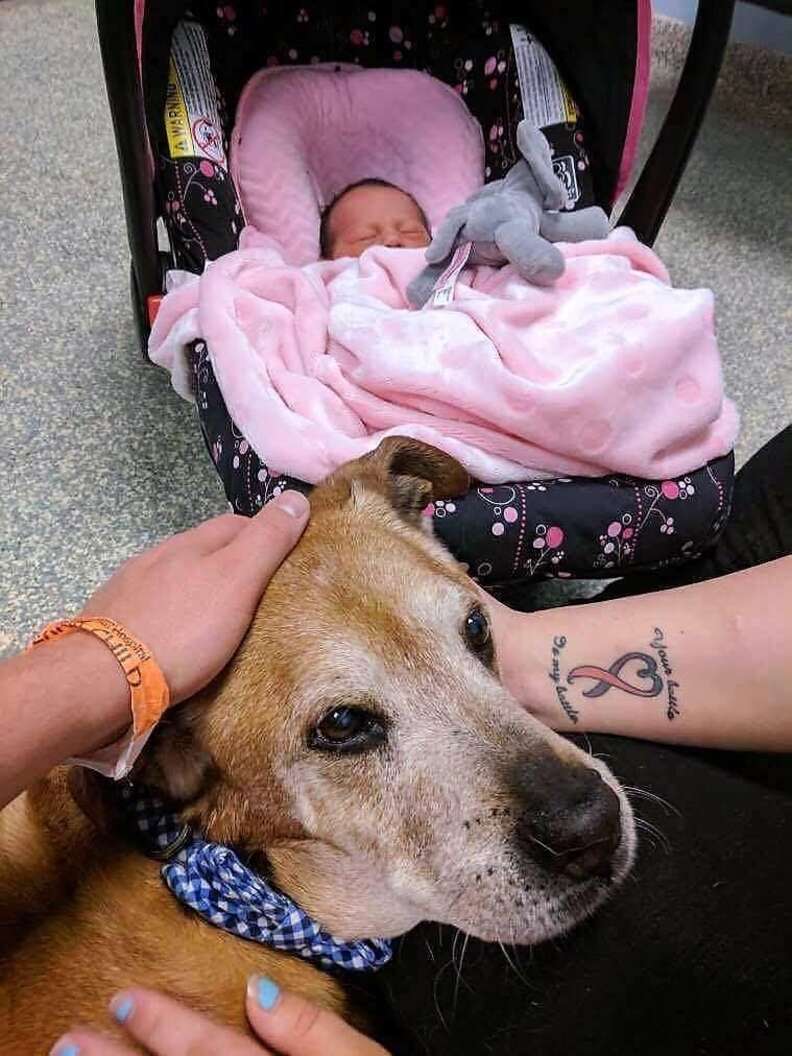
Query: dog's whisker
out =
(459, 979)
(646, 826)
(512, 965)
(518, 949)
(644, 793)
(438, 977)
(457, 935)
(440, 1015)
(516, 952)
(652, 843)
(658, 834)
(649, 826)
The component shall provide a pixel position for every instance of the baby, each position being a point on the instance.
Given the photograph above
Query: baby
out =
(371, 213)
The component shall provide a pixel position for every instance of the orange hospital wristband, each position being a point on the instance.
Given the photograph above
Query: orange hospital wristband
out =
(149, 693)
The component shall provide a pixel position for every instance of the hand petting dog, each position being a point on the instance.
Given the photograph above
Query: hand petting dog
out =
(287, 1024)
(190, 600)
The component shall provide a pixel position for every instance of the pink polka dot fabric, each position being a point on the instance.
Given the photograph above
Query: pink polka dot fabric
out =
(318, 364)
(302, 134)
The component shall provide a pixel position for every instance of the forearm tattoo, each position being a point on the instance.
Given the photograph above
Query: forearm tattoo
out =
(646, 675)
(559, 642)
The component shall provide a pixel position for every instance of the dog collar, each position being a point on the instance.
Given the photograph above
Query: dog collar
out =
(210, 879)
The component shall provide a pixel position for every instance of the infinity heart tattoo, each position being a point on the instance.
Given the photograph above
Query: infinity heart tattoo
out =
(609, 678)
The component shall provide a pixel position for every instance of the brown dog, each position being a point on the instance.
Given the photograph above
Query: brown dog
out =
(361, 741)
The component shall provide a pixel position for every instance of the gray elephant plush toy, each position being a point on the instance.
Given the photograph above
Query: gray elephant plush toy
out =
(513, 221)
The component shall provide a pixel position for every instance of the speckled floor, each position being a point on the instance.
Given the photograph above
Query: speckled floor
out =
(100, 458)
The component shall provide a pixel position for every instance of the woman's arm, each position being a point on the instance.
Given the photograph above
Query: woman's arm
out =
(67, 698)
(708, 664)
(190, 600)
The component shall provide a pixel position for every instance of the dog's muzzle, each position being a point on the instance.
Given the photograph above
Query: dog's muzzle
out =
(570, 823)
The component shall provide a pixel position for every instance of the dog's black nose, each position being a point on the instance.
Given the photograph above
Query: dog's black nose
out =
(571, 822)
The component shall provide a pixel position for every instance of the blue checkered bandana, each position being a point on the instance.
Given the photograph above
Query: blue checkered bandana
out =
(210, 879)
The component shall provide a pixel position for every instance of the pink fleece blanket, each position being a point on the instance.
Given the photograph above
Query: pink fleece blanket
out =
(610, 370)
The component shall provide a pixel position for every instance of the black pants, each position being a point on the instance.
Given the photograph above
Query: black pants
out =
(692, 956)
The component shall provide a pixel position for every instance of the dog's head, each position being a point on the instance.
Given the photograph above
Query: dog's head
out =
(361, 740)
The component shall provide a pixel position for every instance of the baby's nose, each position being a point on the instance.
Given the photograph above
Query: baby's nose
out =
(393, 239)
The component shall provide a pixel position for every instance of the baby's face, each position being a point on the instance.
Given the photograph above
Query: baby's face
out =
(374, 216)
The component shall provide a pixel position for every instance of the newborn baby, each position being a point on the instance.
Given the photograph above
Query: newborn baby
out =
(371, 213)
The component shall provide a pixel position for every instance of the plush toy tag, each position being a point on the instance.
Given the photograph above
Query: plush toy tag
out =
(443, 292)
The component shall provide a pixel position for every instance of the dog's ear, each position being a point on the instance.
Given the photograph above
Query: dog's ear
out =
(413, 474)
(95, 796)
(174, 762)
(409, 473)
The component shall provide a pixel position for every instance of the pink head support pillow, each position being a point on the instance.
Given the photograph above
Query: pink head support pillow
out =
(304, 133)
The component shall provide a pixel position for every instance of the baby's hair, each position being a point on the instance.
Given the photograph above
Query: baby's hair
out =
(370, 181)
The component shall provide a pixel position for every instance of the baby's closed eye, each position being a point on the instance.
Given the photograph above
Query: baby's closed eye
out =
(360, 238)
(417, 236)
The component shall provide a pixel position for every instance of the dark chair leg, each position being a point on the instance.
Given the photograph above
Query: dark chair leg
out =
(116, 25)
(649, 202)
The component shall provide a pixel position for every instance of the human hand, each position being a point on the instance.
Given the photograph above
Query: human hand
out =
(191, 599)
(288, 1025)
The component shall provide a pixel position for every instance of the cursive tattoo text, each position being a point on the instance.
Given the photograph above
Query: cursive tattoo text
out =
(554, 674)
(661, 646)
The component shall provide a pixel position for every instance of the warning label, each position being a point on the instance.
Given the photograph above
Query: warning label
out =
(192, 119)
(545, 98)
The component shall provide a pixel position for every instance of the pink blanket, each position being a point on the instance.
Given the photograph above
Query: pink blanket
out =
(610, 370)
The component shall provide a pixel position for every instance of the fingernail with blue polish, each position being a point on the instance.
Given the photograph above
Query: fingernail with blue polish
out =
(267, 993)
(122, 1007)
(65, 1048)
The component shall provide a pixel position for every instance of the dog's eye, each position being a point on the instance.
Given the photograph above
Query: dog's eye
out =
(346, 729)
(477, 632)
